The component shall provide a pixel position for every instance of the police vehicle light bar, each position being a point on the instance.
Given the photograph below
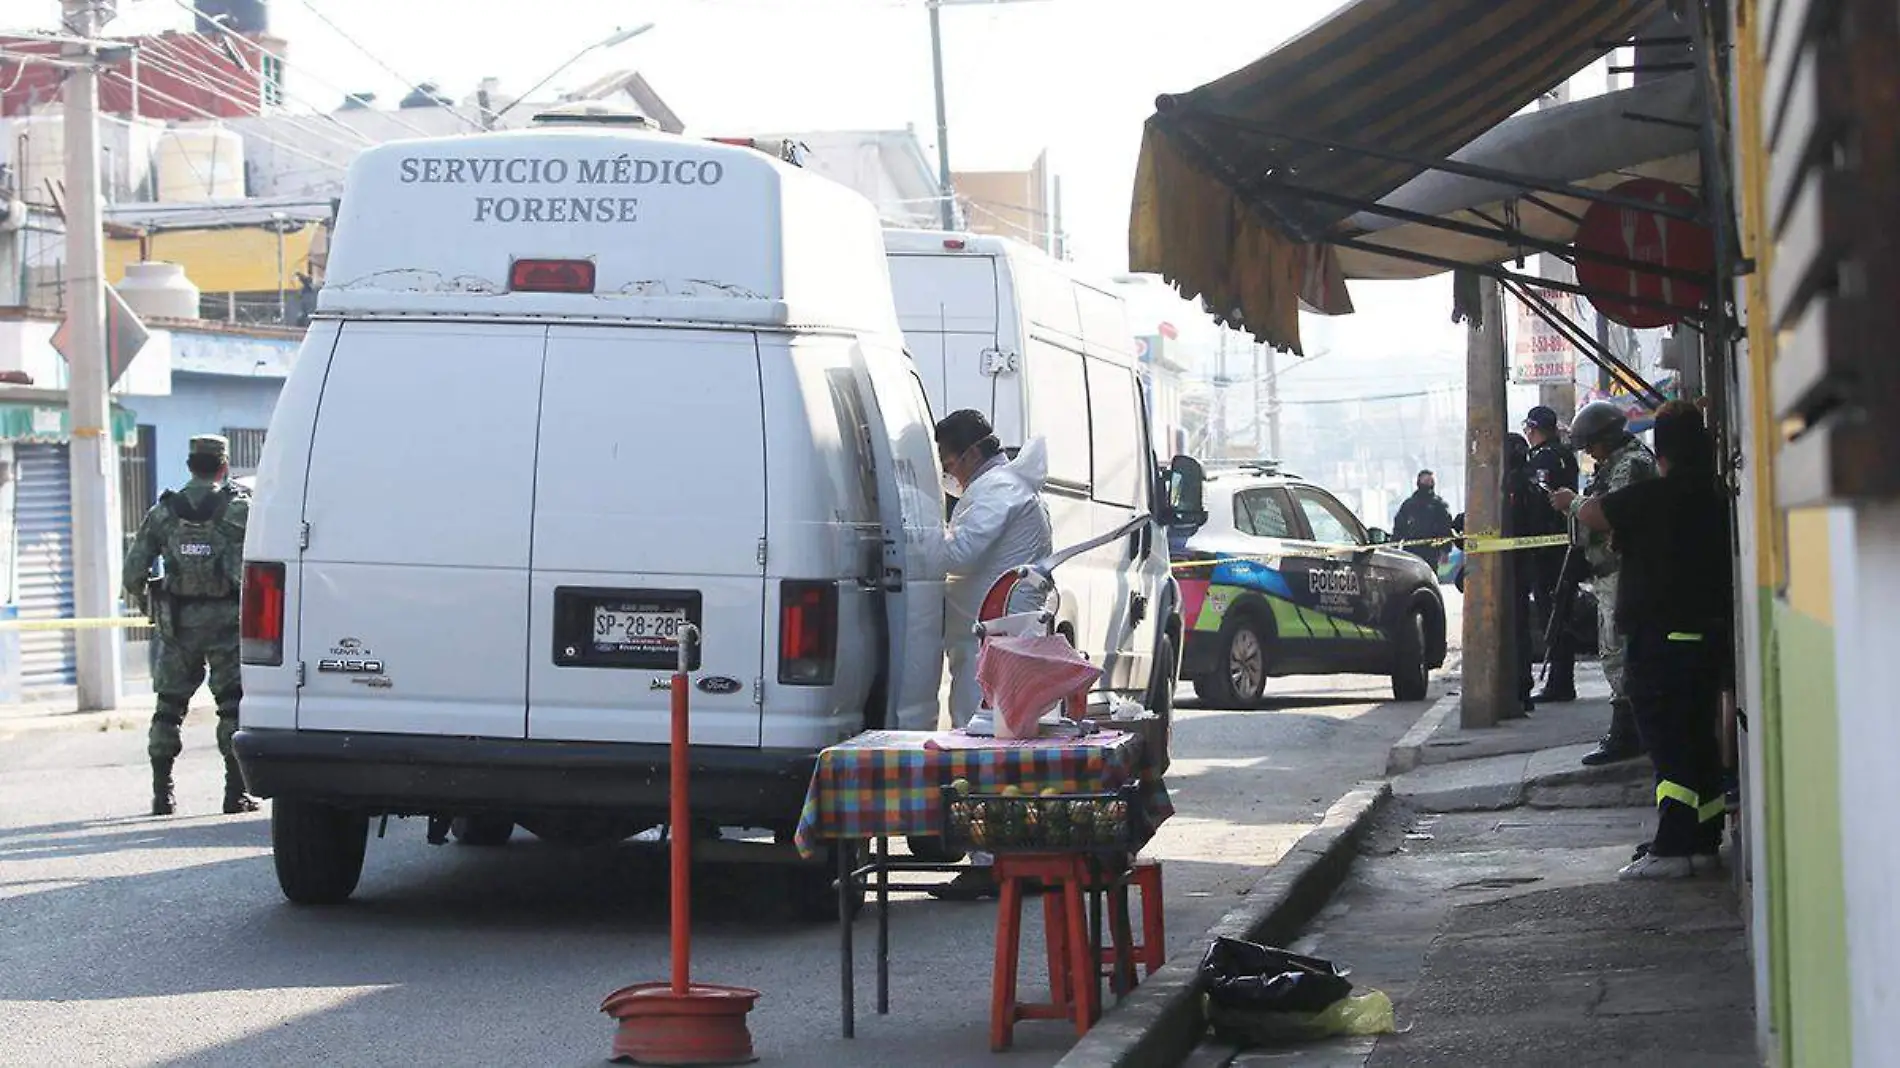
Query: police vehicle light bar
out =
(551, 276)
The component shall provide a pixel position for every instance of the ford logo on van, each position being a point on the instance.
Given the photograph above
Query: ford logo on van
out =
(719, 684)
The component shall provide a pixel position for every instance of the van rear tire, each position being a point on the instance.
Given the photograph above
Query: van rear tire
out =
(317, 850)
(813, 889)
(483, 832)
(1161, 702)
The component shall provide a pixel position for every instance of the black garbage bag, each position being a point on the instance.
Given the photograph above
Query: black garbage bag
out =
(1246, 975)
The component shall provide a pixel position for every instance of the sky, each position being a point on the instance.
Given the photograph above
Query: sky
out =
(1075, 77)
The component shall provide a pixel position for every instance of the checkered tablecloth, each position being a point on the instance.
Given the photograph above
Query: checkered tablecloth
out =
(888, 783)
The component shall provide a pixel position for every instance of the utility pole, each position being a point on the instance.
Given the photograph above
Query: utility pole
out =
(1259, 409)
(97, 542)
(1273, 404)
(945, 188)
(1220, 397)
(1490, 682)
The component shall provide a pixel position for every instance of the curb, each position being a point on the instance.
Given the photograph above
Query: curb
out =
(1163, 1020)
(72, 721)
(1409, 752)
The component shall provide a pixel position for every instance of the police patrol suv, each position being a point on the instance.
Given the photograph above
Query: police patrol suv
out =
(1283, 579)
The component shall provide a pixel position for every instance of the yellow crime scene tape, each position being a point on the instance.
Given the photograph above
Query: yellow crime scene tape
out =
(74, 624)
(1473, 545)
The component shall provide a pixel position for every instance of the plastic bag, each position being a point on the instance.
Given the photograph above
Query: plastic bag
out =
(1024, 677)
(1262, 995)
(1369, 1013)
(1238, 974)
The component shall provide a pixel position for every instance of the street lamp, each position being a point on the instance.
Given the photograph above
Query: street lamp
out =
(618, 37)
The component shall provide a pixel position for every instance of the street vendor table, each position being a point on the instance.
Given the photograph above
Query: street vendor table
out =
(885, 783)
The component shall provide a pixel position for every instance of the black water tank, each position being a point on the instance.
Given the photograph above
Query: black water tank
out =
(240, 16)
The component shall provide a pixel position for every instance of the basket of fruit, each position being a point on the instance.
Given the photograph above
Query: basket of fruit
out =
(1017, 821)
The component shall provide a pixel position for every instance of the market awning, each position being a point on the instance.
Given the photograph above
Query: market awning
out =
(1403, 77)
(51, 424)
(1649, 130)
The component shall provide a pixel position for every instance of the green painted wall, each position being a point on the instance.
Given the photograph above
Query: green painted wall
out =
(1808, 896)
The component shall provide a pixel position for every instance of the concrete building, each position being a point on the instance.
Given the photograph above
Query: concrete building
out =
(1019, 204)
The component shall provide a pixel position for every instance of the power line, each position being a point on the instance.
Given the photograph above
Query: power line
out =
(196, 78)
(325, 19)
(185, 6)
(168, 98)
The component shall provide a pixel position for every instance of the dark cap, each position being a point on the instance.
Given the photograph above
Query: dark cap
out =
(961, 429)
(1542, 417)
(210, 445)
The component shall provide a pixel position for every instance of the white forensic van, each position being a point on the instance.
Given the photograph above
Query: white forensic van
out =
(999, 326)
(568, 389)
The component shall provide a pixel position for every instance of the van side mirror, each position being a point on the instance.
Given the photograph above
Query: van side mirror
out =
(1377, 536)
(1182, 504)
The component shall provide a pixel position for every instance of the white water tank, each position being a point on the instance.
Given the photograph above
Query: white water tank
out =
(198, 163)
(159, 290)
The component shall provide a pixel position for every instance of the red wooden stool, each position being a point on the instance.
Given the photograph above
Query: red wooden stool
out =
(1151, 951)
(1074, 990)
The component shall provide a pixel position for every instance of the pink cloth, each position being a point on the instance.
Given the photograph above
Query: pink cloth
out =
(1021, 678)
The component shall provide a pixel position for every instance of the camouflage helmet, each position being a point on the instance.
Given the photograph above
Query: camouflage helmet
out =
(1597, 422)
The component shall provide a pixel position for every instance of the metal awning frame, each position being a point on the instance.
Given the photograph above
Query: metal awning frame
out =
(1250, 191)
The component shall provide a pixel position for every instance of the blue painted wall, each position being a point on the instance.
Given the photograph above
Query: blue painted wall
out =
(201, 404)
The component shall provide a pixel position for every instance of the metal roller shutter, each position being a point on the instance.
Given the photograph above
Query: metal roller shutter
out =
(43, 521)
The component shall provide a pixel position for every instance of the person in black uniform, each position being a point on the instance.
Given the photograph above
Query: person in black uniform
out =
(1525, 511)
(1675, 606)
(1553, 466)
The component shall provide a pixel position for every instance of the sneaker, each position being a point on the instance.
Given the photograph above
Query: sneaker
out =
(239, 803)
(1651, 866)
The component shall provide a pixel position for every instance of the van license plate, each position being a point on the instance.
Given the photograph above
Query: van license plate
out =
(617, 630)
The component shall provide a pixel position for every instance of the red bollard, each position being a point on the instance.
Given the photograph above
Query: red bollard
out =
(678, 1022)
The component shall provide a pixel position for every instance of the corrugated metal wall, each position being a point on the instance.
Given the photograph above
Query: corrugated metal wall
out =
(43, 515)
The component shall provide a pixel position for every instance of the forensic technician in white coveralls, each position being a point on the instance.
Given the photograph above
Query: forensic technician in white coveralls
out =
(1000, 522)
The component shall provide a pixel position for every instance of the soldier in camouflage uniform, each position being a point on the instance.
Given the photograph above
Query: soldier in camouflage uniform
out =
(197, 532)
(1601, 430)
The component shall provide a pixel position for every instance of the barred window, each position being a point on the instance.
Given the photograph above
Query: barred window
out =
(247, 449)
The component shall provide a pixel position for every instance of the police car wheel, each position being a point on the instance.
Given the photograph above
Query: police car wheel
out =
(317, 850)
(482, 831)
(1240, 678)
(1410, 677)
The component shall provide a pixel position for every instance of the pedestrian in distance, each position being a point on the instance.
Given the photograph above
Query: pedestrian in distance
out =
(1675, 604)
(1552, 466)
(999, 523)
(1601, 430)
(1424, 515)
(196, 533)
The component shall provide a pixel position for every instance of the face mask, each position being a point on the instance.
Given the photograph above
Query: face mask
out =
(951, 488)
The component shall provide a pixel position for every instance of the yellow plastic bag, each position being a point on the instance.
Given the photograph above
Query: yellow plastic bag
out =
(1369, 1013)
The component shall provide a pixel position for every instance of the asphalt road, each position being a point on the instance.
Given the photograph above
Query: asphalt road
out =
(128, 940)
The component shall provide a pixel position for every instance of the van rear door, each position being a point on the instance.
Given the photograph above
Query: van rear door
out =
(649, 511)
(414, 585)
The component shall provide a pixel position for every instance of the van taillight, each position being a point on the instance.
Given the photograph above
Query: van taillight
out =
(261, 614)
(808, 633)
(551, 276)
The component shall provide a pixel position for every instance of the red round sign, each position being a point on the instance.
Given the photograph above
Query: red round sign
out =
(1648, 238)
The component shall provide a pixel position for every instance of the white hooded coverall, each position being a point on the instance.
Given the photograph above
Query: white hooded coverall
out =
(999, 523)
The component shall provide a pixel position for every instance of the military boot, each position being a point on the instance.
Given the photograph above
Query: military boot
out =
(1621, 743)
(164, 801)
(236, 800)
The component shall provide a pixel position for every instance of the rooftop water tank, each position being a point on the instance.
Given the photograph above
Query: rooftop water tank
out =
(159, 291)
(197, 163)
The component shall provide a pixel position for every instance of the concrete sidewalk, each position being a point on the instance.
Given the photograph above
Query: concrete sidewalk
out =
(1485, 902)
(134, 713)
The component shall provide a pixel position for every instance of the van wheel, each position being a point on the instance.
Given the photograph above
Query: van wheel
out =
(1239, 678)
(482, 831)
(814, 887)
(317, 850)
(1410, 677)
(931, 850)
(1161, 702)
